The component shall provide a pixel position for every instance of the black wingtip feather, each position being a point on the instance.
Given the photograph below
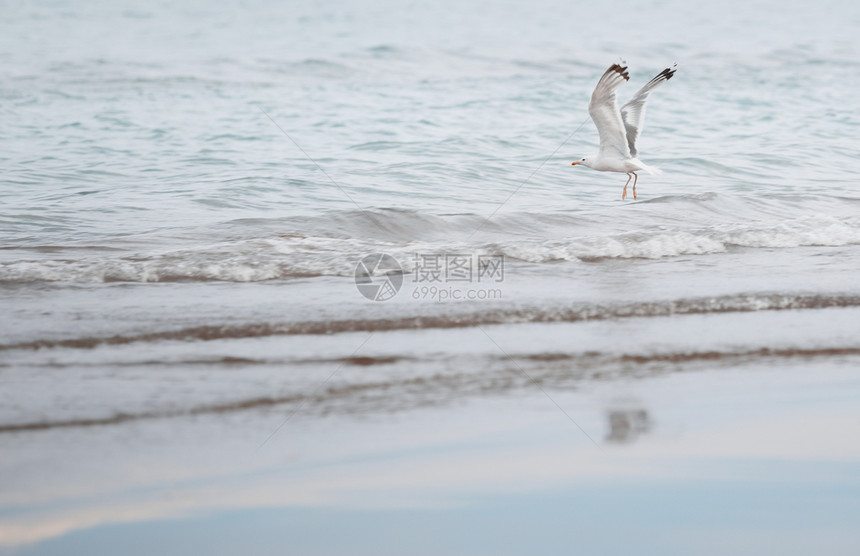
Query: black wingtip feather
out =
(665, 74)
(620, 70)
(669, 72)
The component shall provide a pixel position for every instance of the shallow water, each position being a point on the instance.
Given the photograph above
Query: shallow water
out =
(186, 194)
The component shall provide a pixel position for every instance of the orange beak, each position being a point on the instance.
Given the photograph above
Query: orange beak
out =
(575, 163)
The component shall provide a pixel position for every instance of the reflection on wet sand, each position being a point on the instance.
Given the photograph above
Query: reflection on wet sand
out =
(626, 425)
(411, 382)
(490, 443)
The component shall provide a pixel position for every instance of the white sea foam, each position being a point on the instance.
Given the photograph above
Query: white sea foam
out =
(283, 257)
(806, 231)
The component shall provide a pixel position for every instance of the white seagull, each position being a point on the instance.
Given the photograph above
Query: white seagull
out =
(619, 130)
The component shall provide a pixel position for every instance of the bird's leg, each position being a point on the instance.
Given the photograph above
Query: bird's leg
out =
(624, 193)
(635, 179)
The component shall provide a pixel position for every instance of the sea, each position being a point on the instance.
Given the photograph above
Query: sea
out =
(318, 277)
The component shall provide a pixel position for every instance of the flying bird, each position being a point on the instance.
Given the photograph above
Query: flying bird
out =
(620, 129)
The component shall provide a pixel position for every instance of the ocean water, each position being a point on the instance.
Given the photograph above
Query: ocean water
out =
(188, 363)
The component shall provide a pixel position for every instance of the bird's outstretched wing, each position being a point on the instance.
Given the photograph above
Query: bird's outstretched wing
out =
(604, 111)
(633, 112)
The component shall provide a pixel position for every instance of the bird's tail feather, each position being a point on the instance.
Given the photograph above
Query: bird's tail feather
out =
(652, 170)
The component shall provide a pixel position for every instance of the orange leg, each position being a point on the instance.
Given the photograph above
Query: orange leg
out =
(624, 193)
(635, 179)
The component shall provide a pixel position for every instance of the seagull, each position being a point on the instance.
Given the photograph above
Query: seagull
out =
(619, 129)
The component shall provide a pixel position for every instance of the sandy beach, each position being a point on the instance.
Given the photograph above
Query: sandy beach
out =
(321, 279)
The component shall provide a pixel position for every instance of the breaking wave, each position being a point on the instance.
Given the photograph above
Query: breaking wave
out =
(258, 250)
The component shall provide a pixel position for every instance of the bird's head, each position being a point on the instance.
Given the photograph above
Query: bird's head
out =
(585, 161)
